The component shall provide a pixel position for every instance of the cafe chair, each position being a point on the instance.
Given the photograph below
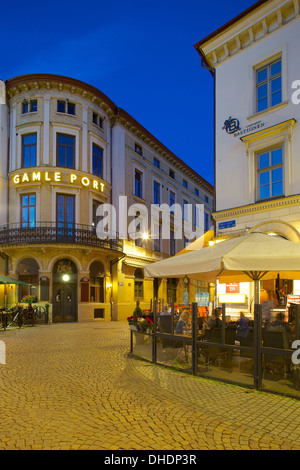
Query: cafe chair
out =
(277, 340)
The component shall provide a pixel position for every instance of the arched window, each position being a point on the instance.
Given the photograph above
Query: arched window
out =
(138, 283)
(28, 271)
(97, 282)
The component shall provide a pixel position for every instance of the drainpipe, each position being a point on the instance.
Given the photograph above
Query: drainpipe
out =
(213, 72)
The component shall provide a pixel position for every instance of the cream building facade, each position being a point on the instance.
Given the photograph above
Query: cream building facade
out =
(66, 151)
(254, 60)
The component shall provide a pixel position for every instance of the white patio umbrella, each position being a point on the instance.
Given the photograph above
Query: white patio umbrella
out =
(240, 259)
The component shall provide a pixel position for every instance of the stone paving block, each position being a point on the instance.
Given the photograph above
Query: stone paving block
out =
(73, 386)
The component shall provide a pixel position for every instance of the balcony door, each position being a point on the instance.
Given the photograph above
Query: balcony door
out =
(65, 217)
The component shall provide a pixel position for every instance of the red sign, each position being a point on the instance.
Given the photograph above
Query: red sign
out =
(295, 299)
(233, 288)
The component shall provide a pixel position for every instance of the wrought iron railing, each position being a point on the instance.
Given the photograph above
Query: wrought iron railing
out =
(50, 232)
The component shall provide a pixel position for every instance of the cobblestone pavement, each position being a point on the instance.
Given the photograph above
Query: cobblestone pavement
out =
(72, 386)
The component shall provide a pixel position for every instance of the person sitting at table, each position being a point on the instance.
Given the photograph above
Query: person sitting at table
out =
(213, 322)
(280, 325)
(182, 324)
(243, 327)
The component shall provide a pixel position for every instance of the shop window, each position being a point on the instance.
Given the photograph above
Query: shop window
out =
(97, 282)
(28, 271)
(268, 86)
(138, 284)
(172, 290)
(270, 173)
(29, 143)
(65, 151)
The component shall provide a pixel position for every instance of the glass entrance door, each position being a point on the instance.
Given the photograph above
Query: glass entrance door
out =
(64, 294)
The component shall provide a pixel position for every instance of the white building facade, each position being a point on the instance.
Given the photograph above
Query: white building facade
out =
(255, 63)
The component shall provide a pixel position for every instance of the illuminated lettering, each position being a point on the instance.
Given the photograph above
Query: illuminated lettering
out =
(85, 181)
(58, 177)
(36, 176)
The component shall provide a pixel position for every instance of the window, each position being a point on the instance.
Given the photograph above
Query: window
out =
(97, 282)
(65, 215)
(29, 150)
(65, 107)
(156, 193)
(29, 106)
(270, 174)
(28, 210)
(268, 86)
(98, 120)
(156, 241)
(97, 161)
(196, 192)
(172, 243)
(172, 174)
(138, 183)
(65, 150)
(206, 222)
(156, 162)
(172, 200)
(184, 211)
(138, 149)
(184, 183)
(206, 198)
(28, 271)
(138, 284)
(96, 218)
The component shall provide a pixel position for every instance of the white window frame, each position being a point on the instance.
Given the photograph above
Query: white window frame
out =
(255, 66)
(28, 130)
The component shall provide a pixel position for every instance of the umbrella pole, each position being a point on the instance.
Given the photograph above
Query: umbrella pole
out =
(256, 292)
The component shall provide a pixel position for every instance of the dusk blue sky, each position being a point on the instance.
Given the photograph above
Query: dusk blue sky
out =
(139, 53)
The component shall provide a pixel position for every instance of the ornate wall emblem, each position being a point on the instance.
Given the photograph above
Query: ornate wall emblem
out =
(231, 125)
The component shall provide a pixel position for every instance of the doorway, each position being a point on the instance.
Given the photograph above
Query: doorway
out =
(64, 292)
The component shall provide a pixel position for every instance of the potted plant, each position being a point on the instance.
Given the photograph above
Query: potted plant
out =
(29, 299)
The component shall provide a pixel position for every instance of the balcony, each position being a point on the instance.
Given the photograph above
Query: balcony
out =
(51, 233)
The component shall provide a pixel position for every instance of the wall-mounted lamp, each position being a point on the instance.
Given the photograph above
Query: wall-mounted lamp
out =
(66, 277)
